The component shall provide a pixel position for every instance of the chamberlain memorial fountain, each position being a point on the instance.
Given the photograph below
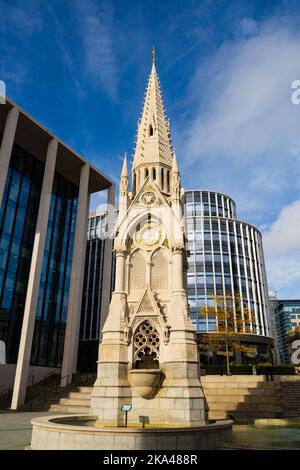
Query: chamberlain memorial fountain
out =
(148, 359)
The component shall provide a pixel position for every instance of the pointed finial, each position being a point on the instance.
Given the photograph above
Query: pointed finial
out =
(124, 168)
(153, 55)
(174, 162)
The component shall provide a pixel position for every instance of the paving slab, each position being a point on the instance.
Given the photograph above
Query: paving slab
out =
(15, 428)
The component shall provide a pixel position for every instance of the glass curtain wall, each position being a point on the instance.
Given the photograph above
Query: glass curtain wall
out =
(18, 216)
(225, 260)
(51, 315)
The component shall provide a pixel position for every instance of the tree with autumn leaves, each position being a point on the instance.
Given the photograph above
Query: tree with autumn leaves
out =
(232, 319)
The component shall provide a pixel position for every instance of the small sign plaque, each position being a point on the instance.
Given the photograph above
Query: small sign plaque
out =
(126, 407)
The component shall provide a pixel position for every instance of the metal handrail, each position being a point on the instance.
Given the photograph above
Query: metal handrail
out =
(44, 389)
(5, 393)
(62, 378)
(85, 373)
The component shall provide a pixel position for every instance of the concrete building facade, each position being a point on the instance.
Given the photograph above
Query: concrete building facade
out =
(44, 201)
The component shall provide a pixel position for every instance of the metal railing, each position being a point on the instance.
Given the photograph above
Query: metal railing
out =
(44, 384)
(6, 394)
(79, 379)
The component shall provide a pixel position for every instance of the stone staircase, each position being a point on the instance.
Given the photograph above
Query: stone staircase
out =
(76, 401)
(243, 398)
(74, 398)
(290, 399)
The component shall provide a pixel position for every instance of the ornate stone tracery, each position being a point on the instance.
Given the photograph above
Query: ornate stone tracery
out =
(146, 347)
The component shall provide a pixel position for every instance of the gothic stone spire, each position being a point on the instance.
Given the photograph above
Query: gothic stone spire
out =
(153, 152)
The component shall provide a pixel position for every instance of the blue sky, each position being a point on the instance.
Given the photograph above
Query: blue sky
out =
(226, 69)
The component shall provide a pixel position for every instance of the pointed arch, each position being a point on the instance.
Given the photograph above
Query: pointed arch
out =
(168, 182)
(160, 269)
(162, 179)
(153, 174)
(137, 270)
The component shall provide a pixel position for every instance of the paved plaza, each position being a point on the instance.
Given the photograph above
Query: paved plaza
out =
(15, 428)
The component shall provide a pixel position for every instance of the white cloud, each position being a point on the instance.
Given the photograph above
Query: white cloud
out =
(243, 136)
(20, 21)
(97, 30)
(283, 237)
(247, 110)
(282, 249)
(284, 276)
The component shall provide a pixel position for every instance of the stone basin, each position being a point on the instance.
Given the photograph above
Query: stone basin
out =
(146, 382)
(82, 432)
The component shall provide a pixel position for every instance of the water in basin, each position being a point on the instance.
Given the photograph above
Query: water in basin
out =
(267, 436)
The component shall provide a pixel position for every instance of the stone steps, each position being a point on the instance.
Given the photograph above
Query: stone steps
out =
(75, 401)
(84, 389)
(242, 417)
(290, 398)
(75, 395)
(247, 407)
(75, 409)
(242, 398)
(236, 385)
(237, 391)
(233, 378)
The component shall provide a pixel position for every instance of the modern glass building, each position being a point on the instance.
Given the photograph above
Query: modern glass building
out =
(18, 216)
(52, 306)
(44, 201)
(225, 259)
(92, 313)
(287, 318)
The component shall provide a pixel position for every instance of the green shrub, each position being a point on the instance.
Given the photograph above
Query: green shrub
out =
(285, 369)
(242, 369)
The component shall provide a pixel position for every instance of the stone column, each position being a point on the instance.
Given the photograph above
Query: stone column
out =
(77, 274)
(120, 269)
(6, 146)
(23, 363)
(177, 269)
(107, 262)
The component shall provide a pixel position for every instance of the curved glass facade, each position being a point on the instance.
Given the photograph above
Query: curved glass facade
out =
(225, 259)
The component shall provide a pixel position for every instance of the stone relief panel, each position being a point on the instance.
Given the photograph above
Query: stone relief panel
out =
(137, 271)
(160, 270)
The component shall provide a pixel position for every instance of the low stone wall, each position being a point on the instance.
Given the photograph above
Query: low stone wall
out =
(66, 433)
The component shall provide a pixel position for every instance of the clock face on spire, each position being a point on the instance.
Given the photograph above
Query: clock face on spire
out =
(150, 236)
